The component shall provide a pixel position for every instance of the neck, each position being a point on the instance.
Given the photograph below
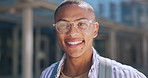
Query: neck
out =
(77, 66)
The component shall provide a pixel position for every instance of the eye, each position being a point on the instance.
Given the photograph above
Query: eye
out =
(81, 24)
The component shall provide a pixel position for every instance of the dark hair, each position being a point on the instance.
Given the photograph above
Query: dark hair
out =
(73, 2)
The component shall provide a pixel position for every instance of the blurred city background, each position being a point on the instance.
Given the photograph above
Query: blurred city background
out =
(28, 42)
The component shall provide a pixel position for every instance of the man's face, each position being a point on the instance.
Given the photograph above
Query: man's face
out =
(76, 43)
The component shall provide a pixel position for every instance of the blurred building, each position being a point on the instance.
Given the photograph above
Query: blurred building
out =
(28, 40)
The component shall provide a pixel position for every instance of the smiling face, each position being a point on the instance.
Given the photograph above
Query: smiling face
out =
(76, 43)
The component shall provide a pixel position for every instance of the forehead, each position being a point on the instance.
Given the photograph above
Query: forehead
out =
(71, 12)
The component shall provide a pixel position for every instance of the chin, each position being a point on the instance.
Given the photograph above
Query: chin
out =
(75, 54)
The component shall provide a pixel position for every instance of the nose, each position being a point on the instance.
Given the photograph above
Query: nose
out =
(73, 30)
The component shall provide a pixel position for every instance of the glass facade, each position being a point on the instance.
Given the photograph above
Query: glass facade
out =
(6, 46)
(113, 11)
(127, 13)
(101, 10)
(8, 2)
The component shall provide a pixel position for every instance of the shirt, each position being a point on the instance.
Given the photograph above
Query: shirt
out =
(118, 70)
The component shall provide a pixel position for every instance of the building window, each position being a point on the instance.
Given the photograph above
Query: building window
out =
(127, 13)
(101, 10)
(112, 11)
(139, 15)
(6, 44)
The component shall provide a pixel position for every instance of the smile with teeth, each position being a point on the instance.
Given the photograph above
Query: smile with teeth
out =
(74, 43)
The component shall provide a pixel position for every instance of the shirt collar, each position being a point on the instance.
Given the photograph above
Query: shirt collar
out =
(94, 59)
(95, 63)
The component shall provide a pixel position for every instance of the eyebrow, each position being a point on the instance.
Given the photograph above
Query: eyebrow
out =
(80, 19)
(69, 21)
(62, 20)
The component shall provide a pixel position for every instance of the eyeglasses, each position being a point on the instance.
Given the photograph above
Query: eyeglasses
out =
(64, 26)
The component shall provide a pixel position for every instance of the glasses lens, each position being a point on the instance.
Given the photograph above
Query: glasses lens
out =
(82, 25)
(62, 27)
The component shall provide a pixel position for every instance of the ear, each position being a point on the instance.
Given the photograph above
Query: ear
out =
(96, 29)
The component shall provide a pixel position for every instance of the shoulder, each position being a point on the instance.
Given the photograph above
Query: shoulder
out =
(125, 71)
(48, 71)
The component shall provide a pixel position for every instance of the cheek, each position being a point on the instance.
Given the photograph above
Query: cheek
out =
(89, 36)
(90, 33)
(60, 39)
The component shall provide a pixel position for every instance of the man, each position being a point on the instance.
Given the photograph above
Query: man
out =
(76, 28)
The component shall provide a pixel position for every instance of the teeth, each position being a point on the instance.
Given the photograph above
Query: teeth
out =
(73, 43)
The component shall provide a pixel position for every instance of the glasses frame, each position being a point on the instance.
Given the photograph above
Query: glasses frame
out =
(74, 24)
